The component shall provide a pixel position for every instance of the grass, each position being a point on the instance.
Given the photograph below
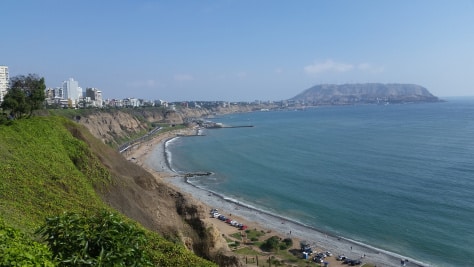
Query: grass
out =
(237, 236)
(247, 251)
(254, 234)
(278, 258)
(47, 169)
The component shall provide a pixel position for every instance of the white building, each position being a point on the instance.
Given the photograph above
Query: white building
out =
(71, 90)
(4, 82)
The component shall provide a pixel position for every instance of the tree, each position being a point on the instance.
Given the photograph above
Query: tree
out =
(271, 244)
(15, 101)
(25, 95)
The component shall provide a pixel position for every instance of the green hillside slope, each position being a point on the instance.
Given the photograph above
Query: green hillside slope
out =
(45, 171)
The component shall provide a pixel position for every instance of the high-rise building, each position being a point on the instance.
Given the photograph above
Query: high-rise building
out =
(95, 95)
(59, 93)
(70, 89)
(4, 82)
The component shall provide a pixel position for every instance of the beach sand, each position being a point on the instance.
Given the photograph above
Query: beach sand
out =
(151, 155)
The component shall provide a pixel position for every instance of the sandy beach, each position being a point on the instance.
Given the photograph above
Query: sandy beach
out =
(151, 155)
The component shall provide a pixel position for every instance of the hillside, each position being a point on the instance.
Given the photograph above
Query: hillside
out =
(51, 165)
(368, 93)
(117, 126)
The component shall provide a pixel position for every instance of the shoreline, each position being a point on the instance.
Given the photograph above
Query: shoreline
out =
(155, 159)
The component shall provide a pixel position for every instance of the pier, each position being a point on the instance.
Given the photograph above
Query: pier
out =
(222, 126)
(193, 174)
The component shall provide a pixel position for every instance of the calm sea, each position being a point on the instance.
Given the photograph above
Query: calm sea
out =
(397, 177)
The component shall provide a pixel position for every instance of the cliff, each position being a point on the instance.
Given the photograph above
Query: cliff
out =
(50, 165)
(368, 93)
(116, 126)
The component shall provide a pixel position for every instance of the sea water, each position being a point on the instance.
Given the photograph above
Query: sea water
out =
(396, 177)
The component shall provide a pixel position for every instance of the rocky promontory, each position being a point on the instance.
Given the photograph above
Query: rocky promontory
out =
(366, 93)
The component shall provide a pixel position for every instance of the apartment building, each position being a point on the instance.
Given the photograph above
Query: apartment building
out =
(4, 82)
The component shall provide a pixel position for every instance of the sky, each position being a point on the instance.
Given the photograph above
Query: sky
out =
(242, 50)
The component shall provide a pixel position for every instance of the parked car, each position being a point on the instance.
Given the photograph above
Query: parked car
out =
(355, 262)
(318, 259)
(347, 261)
(341, 258)
(321, 255)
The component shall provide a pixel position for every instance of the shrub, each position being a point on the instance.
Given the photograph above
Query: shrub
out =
(18, 250)
(286, 243)
(271, 244)
(103, 239)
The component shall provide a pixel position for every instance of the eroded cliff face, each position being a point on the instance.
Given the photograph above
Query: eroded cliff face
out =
(114, 126)
(137, 194)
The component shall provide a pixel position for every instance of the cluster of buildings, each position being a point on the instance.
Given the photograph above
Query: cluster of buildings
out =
(71, 95)
(68, 95)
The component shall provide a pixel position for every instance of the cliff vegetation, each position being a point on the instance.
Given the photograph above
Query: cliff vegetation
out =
(51, 167)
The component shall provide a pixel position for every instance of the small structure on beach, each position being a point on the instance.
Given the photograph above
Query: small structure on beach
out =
(306, 248)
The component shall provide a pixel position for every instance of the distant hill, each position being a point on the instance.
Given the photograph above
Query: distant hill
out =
(368, 93)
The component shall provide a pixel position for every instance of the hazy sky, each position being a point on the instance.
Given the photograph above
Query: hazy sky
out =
(240, 50)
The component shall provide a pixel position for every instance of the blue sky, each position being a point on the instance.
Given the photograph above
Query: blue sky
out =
(240, 50)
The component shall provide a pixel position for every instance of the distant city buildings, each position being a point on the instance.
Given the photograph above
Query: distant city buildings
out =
(4, 82)
(93, 98)
(71, 90)
(70, 95)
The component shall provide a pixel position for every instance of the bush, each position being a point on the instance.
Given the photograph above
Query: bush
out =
(271, 244)
(286, 243)
(18, 250)
(103, 239)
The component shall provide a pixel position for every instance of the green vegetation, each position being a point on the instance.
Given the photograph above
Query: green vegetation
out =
(25, 95)
(279, 248)
(247, 251)
(237, 235)
(102, 239)
(18, 250)
(46, 171)
(271, 244)
(254, 235)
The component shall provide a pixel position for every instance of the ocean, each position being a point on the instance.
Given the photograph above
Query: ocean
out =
(396, 177)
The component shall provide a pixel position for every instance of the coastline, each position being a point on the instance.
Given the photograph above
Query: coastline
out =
(152, 155)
